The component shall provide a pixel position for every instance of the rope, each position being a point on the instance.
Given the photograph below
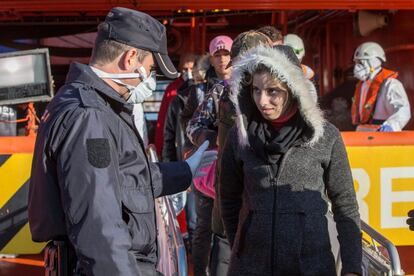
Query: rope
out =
(15, 121)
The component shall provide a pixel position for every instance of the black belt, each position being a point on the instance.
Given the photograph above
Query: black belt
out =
(377, 122)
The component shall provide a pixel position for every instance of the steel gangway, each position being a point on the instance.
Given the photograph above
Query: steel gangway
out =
(379, 255)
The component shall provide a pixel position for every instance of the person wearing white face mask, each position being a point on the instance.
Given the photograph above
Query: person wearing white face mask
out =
(380, 102)
(136, 94)
(185, 66)
(187, 74)
(143, 91)
(92, 185)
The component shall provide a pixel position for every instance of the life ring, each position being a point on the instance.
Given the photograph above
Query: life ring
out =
(174, 40)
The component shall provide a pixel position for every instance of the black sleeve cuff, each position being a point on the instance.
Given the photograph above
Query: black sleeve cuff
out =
(176, 177)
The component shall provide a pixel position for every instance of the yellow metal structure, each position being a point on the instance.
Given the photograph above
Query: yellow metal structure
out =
(16, 154)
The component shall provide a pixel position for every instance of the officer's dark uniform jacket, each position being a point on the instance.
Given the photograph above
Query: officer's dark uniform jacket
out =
(91, 180)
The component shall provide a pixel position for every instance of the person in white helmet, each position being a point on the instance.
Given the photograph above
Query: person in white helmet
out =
(296, 43)
(380, 101)
(298, 47)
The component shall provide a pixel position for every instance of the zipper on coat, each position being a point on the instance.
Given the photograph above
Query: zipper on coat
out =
(272, 244)
(274, 180)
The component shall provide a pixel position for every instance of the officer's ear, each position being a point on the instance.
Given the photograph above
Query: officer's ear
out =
(129, 59)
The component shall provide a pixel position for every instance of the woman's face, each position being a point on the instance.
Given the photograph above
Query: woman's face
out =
(269, 95)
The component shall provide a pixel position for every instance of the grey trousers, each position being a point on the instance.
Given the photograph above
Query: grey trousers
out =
(220, 256)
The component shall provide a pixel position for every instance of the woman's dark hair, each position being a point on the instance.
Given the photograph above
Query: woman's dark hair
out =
(260, 69)
(273, 33)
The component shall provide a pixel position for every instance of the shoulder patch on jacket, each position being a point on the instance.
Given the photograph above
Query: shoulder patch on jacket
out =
(98, 152)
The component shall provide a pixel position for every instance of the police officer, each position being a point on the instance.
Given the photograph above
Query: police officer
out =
(91, 182)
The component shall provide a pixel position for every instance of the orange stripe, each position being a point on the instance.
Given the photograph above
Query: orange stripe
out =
(18, 144)
(25, 144)
(378, 138)
(23, 261)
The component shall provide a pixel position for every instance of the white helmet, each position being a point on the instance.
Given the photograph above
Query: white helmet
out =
(296, 43)
(369, 50)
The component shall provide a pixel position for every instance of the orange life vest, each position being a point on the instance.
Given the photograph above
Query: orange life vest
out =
(370, 99)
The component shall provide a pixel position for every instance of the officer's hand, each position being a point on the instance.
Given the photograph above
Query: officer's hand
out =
(385, 128)
(410, 220)
(200, 159)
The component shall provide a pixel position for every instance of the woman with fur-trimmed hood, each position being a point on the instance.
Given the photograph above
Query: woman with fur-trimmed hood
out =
(281, 165)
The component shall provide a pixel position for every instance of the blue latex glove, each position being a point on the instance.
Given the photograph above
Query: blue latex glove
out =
(385, 128)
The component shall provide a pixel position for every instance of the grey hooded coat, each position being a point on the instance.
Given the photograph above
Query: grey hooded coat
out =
(275, 221)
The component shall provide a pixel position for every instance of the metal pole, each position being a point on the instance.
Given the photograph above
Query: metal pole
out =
(284, 22)
(274, 19)
(328, 63)
(203, 35)
(192, 34)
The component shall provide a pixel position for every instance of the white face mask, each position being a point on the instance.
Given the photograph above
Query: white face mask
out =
(361, 72)
(144, 90)
(367, 69)
(187, 75)
(137, 94)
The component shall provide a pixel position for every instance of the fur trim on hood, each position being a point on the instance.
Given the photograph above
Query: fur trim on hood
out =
(301, 88)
